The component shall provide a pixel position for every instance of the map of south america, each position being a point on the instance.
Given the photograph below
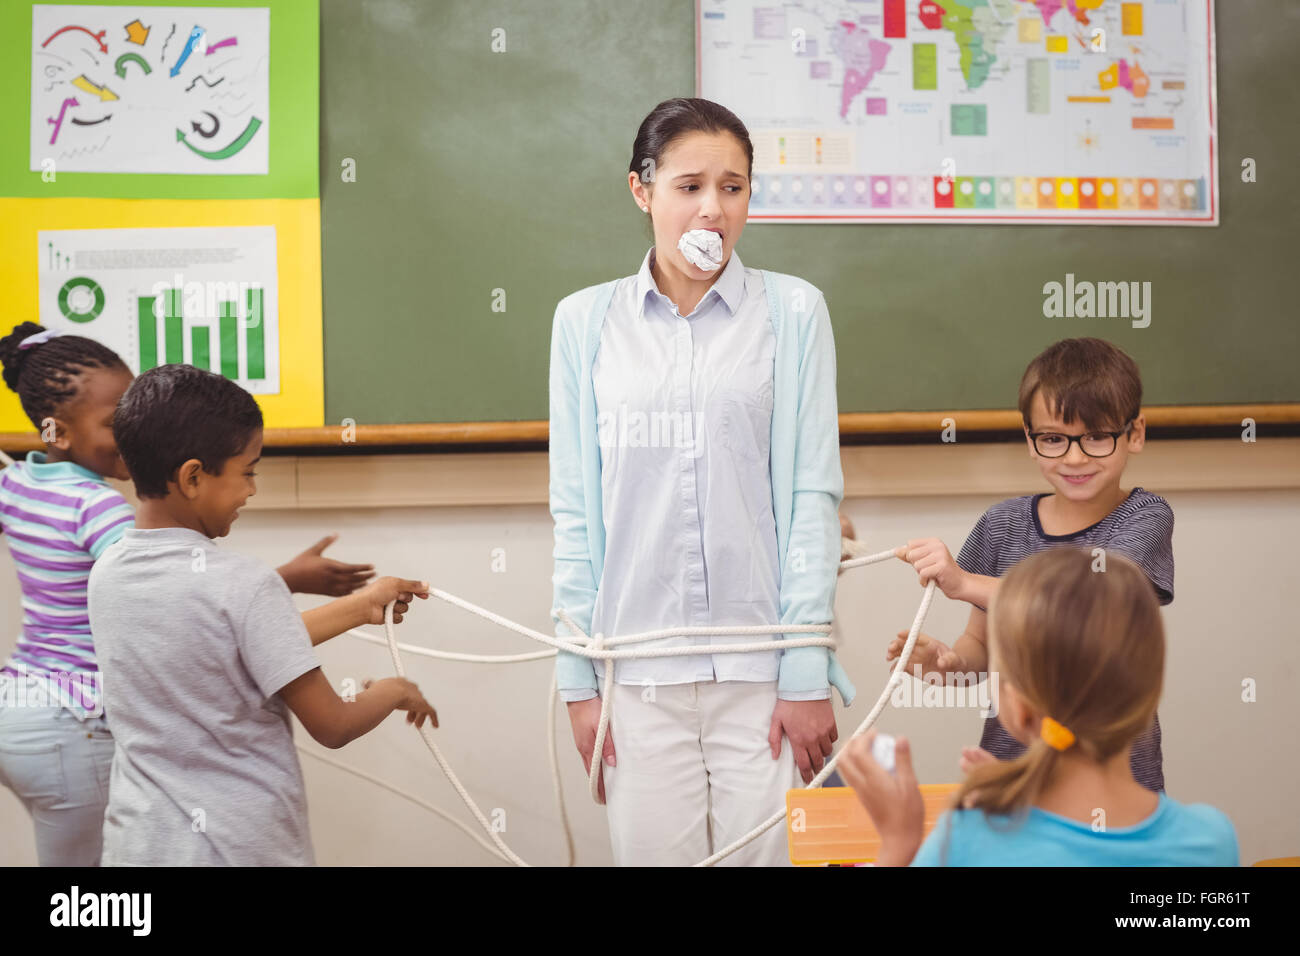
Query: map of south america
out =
(863, 56)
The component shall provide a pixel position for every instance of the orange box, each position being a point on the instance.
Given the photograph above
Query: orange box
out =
(1107, 194)
(1153, 122)
(830, 825)
(1129, 192)
(1045, 190)
(1087, 193)
(1148, 194)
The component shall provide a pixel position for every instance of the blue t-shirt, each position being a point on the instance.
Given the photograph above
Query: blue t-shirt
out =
(1175, 835)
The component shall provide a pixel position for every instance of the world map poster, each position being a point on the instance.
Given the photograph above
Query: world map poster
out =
(1032, 111)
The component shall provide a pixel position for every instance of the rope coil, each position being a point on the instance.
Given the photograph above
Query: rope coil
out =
(609, 649)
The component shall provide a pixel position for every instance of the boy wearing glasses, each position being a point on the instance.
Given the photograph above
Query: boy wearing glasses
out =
(1081, 405)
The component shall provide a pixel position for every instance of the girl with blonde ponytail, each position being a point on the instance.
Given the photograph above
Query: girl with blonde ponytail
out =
(1078, 649)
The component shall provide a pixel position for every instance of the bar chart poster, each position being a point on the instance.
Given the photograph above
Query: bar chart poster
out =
(202, 296)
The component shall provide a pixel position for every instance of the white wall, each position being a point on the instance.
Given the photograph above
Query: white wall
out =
(1233, 617)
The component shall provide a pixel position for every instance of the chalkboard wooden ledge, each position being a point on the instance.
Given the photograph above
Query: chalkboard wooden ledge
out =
(472, 434)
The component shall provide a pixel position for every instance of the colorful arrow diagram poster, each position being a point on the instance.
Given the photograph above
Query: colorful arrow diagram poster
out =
(208, 297)
(150, 89)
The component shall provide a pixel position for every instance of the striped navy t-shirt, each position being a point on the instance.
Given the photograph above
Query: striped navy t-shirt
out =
(1141, 528)
(58, 518)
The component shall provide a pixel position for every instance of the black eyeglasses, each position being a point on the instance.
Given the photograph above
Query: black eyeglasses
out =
(1093, 444)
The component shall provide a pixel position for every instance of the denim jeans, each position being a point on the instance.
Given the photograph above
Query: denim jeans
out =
(58, 766)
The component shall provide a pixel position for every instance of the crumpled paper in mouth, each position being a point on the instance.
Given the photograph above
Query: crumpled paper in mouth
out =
(702, 249)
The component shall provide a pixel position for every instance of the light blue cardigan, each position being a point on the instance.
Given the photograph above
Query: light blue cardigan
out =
(807, 483)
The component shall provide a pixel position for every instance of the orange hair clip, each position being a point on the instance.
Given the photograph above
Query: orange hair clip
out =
(1058, 736)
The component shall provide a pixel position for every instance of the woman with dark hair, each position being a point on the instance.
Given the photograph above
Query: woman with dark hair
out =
(695, 480)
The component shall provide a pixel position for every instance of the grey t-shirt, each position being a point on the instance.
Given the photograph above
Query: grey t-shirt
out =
(194, 643)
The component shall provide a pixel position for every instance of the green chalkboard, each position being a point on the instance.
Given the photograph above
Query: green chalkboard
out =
(478, 171)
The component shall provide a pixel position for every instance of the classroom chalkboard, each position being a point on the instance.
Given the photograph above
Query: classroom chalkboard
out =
(478, 171)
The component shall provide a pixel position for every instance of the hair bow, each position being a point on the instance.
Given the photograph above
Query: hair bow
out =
(40, 338)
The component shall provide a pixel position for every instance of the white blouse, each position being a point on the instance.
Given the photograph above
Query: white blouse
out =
(684, 409)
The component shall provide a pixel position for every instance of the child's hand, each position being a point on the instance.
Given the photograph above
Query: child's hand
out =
(846, 531)
(893, 800)
(932, 560)
(933, 655)
(378, 594)
(411, 700)
(846, 528)
(313, 573)
(972, 757)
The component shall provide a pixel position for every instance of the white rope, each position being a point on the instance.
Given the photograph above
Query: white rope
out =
(452, 656)
(552, 699)
(426, 733)
(602, 648)
(599, 648)
(464, 827)
(894, 678)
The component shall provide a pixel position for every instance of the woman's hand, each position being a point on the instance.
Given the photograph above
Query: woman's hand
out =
(810, 725)
(893, 800)
(933, 561)
(584, 715)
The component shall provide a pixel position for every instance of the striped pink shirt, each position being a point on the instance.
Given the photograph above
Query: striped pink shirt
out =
(58, 518)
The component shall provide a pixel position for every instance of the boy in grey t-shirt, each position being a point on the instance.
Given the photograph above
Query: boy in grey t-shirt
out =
(1081, 404)
(195, 643)
(203, 652)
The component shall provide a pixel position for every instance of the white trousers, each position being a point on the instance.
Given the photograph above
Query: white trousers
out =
(695, 773)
